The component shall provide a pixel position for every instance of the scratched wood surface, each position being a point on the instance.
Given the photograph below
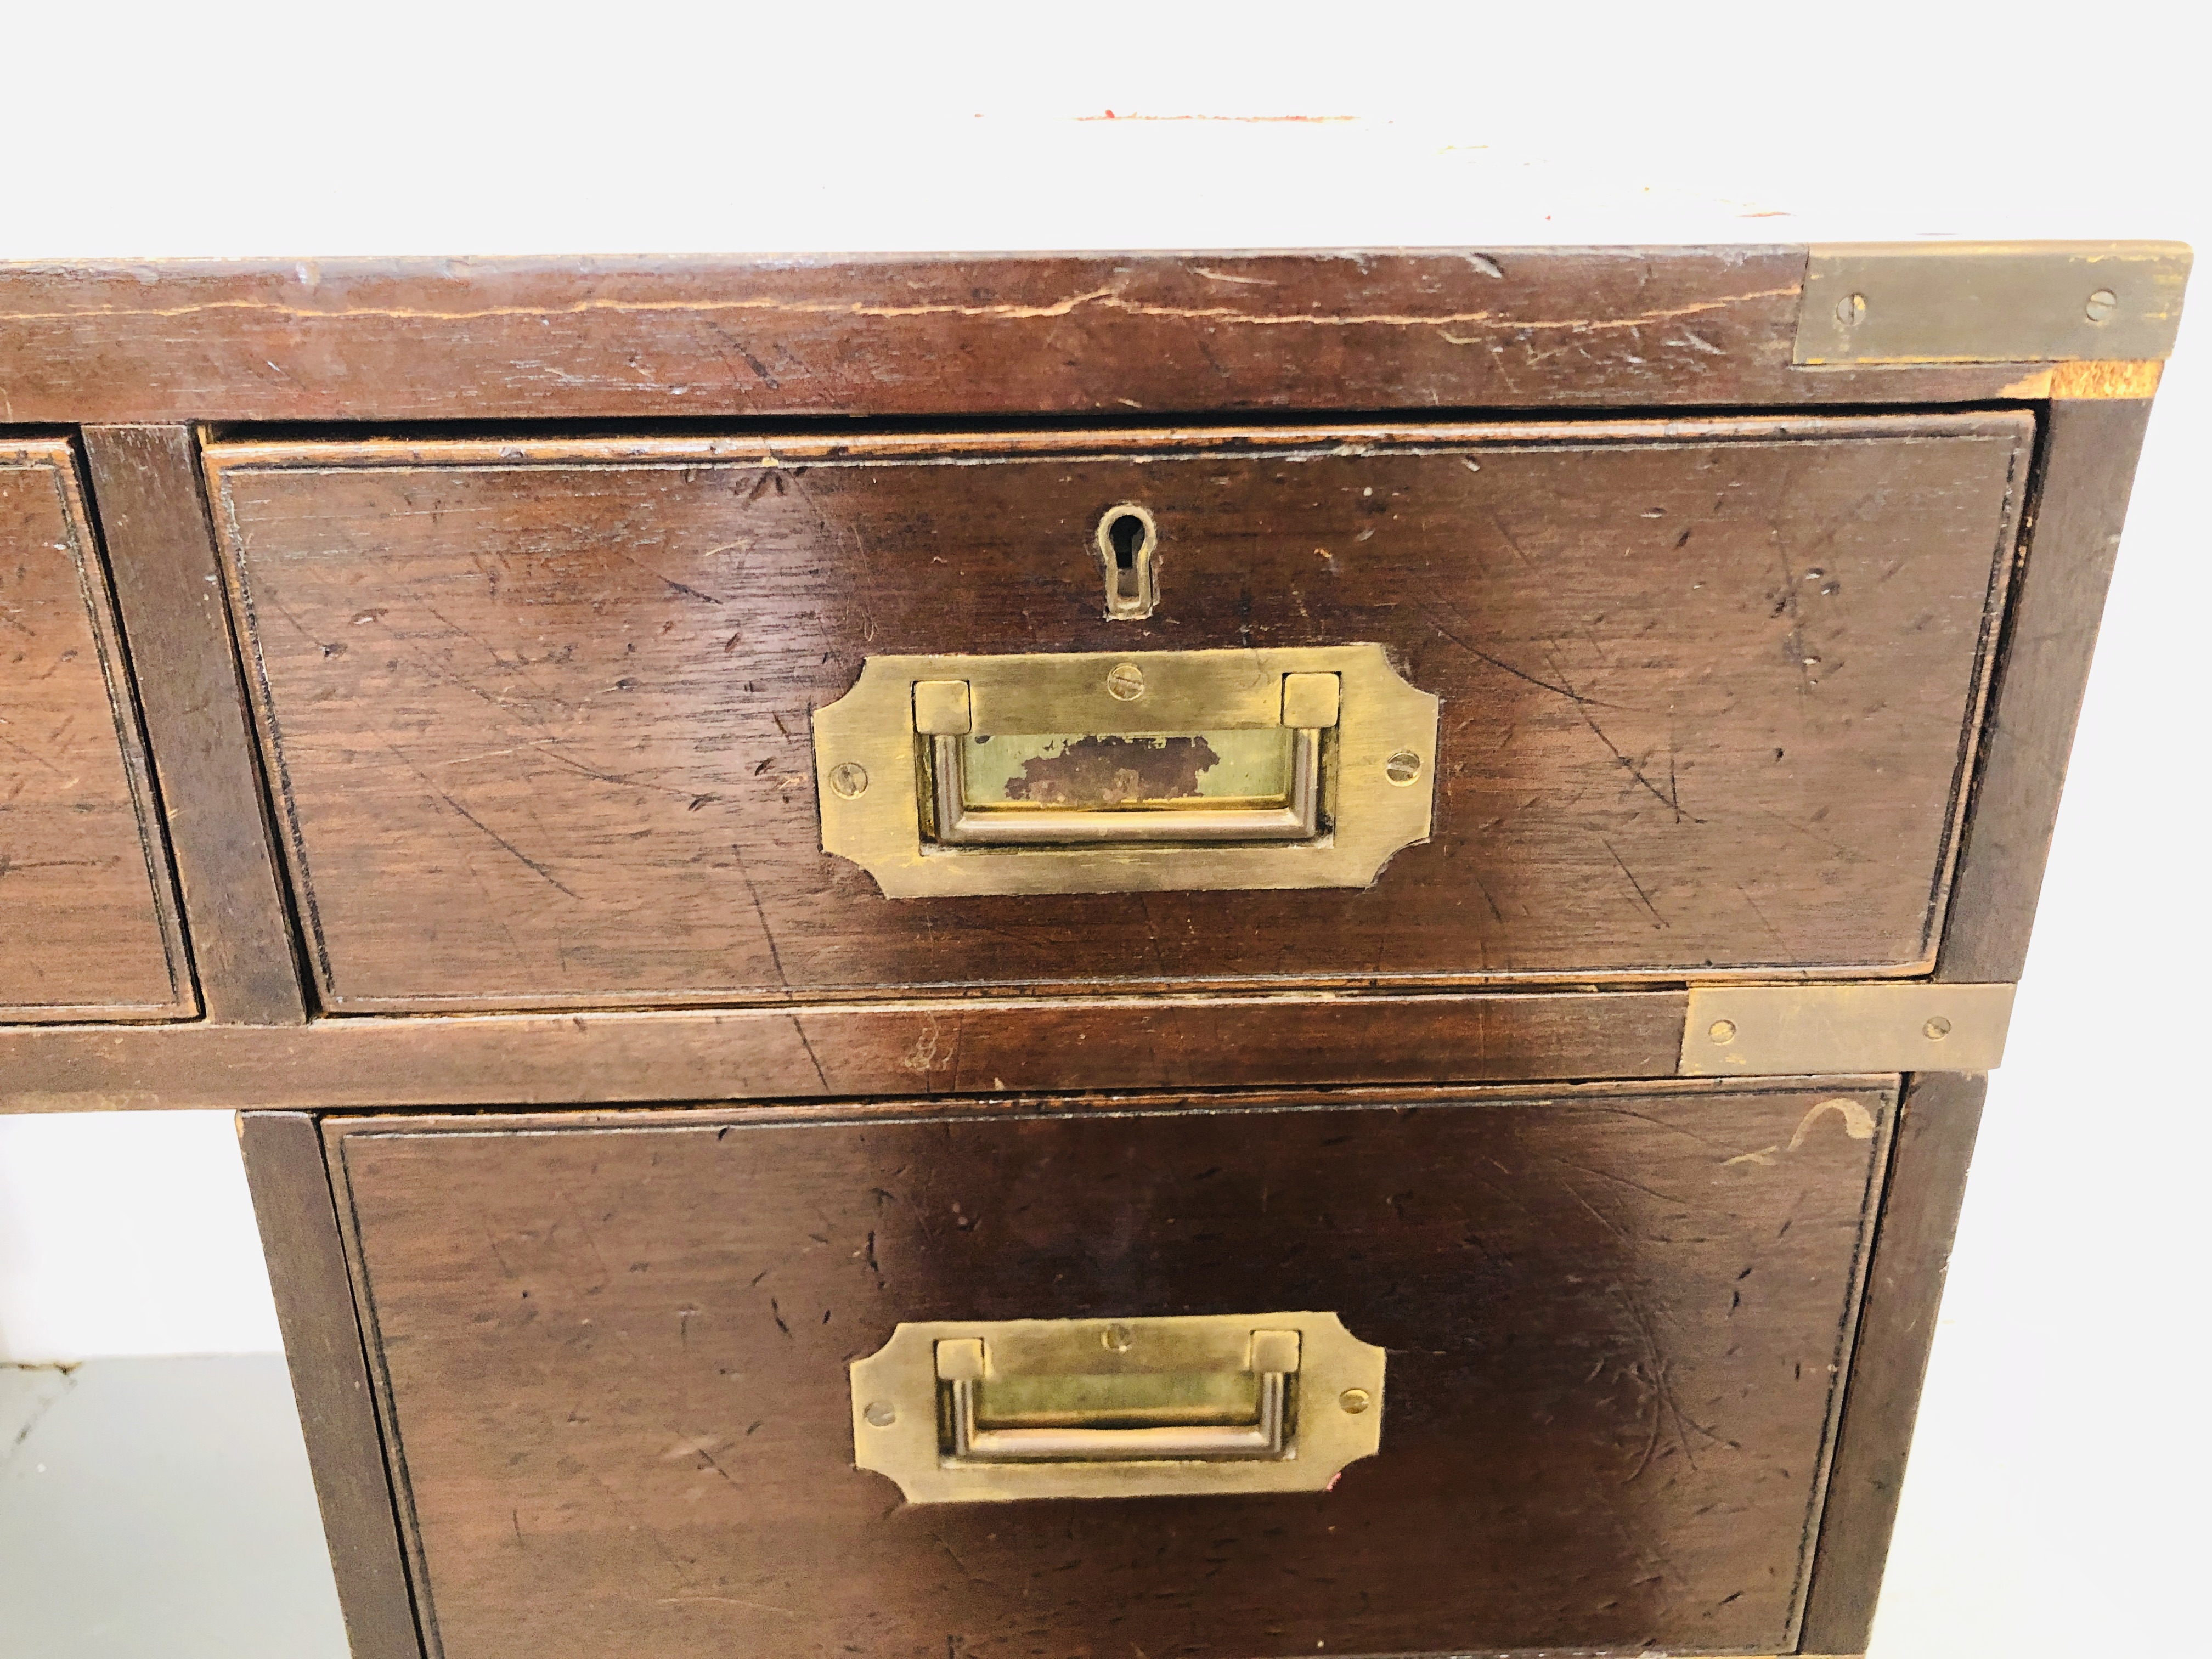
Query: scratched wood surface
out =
(1093, 334)
(87, 916)
(614, 1362)
(972, 1045)
(539, 713)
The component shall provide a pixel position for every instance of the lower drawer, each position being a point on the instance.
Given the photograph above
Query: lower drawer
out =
(612, 1354)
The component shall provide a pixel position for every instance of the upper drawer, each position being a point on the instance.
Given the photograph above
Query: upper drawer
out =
(87, 914)
(539, 711)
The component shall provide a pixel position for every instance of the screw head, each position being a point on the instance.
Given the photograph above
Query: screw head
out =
(2102, 304)
(848, 779)
(881, 1413)
(1403, 767)
(1355, 1401)
(1116, 1338)
(1126, 680)
(1936, 1029)
(1851, 310)
(1722, 1030)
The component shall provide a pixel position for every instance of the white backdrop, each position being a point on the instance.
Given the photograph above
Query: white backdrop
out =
(2052, 1506)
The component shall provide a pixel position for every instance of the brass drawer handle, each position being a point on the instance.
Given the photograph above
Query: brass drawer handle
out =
(962, 1363)
(969, 1413)
(1298, 819)
(1124, 773)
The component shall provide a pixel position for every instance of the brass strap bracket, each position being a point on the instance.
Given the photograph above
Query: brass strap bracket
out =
(1799, 1030)
(1990, 302)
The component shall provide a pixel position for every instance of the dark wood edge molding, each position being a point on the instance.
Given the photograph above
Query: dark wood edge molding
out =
(307, 1270)
(1932, 1146)
(338, 1128)
(818, 1052)
(2065, 565)
(1046, 335)
(161, 548)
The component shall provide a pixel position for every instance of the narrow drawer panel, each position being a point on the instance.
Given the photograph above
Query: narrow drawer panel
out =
(613, 1355)
(540, 712)
(87, 911)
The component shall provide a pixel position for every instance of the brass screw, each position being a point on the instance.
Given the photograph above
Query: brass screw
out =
(1722, 1030)
(848, 779)
(2102, 304)
(1403, 767)
(882, 1413)
(1355, 1401)
(1126, 681)
(1117, 1338)
(1936, 1029)
(1851, 310)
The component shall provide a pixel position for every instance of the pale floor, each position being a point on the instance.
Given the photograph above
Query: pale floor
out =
(160, 1508)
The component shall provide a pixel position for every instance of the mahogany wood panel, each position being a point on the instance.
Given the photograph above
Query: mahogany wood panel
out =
(1051, 334)
(2073, 542)
(87, 909)
(540, 712)
(285, 1167)
(615, 1356)
(946, 1047)
(160, 548)
(1927, 1183)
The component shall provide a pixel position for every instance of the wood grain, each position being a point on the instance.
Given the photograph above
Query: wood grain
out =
(617, 1360)
(284, 1167)
(1926, 1184)
(87, 907)
(540, 712)
(168, 586)
(945, 1047)
(983, 334)
(2067, 558)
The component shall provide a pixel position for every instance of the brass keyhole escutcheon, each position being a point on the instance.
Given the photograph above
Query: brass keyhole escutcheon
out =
(1127, 540)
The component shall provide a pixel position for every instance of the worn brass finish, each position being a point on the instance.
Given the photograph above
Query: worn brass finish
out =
(987, 1411)
(1347, 805)
(1936, 302)
(1298, 818)
(1795, 1030)
(940, 708)
(1311, 702)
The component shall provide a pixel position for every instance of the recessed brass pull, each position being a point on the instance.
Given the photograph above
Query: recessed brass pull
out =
(1126, 772)
(1061, 1408)
(1298, 819)
(1264, 1436)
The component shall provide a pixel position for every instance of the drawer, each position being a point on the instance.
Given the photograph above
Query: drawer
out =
(541, 713)
(612, 1356)
(87, 907)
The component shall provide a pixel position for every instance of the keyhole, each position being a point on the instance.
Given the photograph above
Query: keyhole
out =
(1126, 534)
(1127, 538)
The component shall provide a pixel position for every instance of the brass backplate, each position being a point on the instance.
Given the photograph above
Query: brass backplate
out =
(1990, 302)
(872, 767)
(1797, 1031)
(900, 1403)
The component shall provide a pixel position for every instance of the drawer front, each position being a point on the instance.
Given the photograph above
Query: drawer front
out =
(613, 1357)
(540, 713)
(87, 908)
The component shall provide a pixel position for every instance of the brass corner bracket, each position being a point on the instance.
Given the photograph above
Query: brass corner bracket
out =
(1799, 1031)
(1990, 302)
